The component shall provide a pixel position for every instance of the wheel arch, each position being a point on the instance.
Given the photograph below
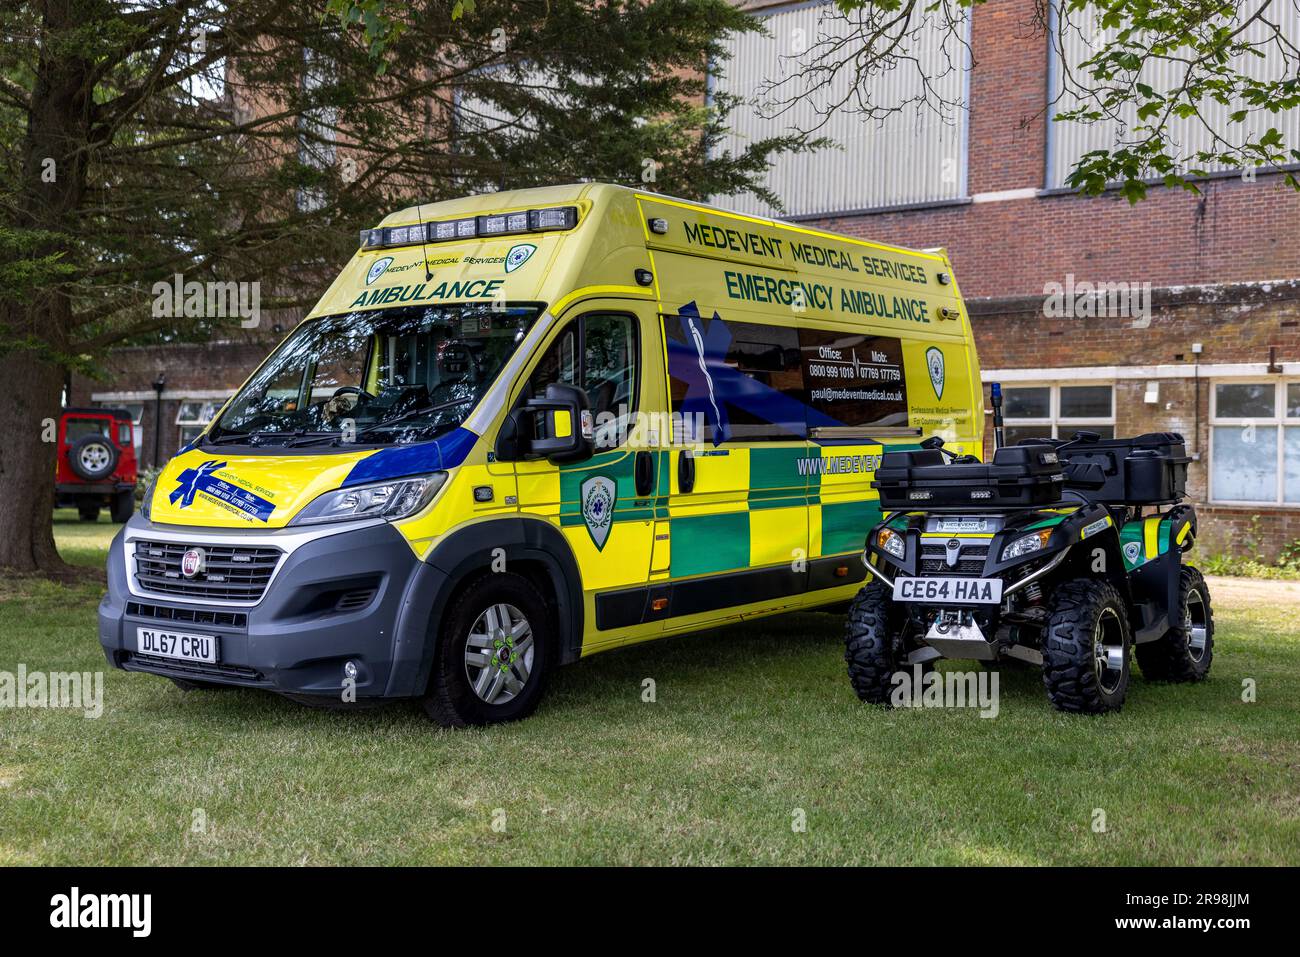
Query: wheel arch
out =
(529, 547)
(1081, 563)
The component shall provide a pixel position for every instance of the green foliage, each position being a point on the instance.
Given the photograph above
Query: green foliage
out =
(249, 140)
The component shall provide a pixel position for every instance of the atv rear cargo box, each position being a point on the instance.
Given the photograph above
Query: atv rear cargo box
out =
(1019, 476)
(1147, 469)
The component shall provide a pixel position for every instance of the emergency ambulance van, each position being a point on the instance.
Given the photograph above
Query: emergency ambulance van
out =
(525, 427)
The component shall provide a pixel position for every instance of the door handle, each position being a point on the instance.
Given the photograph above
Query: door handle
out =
(645, 474)
(686, 471)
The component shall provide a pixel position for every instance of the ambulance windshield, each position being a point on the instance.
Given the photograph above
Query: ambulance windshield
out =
(376, 377)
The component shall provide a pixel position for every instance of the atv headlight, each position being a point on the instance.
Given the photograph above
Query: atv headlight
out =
(387, 500)
(890, 541)
(1027, 544)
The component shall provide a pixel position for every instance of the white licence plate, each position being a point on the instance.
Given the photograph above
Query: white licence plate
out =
(176, 644)
(956, 591)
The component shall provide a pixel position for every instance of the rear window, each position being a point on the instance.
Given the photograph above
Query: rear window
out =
(80, 428)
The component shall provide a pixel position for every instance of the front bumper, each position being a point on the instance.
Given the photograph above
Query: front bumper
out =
(314, 616)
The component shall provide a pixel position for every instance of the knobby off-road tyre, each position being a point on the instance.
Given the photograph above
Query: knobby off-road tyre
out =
(1187, 649)
(1086, 648)
(494, 655)
(874, 645)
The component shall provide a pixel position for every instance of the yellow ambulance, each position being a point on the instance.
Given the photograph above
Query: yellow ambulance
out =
(524, 427)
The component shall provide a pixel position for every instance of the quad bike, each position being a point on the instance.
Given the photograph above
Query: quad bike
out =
(1061, 554)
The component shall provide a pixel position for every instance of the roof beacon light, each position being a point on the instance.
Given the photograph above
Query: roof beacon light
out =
(501, 223)
(405, 235)
(557, 217)
(493, 224)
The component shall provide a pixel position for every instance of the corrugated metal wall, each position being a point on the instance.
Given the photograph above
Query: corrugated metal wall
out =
(1069, 141)
(911, 157)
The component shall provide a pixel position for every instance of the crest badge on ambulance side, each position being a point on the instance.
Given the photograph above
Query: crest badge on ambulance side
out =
(598, 495)
(518, 255)
(377, 269)
(934, 362)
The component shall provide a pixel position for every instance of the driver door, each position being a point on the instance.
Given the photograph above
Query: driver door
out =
(604, 506)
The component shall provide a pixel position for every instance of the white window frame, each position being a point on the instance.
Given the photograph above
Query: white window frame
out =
(1279, 421)
(200, 424)
(1054, 418)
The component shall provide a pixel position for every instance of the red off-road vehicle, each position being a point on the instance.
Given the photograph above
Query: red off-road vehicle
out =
(96, 464)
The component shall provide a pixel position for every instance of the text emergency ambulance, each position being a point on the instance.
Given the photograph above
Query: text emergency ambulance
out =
(524, 427)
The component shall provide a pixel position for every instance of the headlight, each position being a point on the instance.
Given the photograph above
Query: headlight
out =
(147, 502)
(387, 500)
(1027, 544)
(890, 541)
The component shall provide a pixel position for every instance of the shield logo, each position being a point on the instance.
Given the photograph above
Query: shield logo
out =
(1132, 552)
(193, 562)
(377, 269)
(598, 497)
(934, 362)
(518, 255)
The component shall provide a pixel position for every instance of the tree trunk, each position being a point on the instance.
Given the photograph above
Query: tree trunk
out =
(27, 465)
(38, 330)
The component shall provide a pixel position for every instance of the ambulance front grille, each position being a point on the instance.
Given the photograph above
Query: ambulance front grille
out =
(231, 572)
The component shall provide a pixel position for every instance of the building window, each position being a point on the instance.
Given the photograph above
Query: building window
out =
(1209, 129)
(911, 156)
(1057, 411)
(1255, 443)
(137, 414)
(193, 417)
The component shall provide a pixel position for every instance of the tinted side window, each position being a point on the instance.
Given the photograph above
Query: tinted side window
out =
(734, 381)
(609, 372)
(598, 352)
(559, 364)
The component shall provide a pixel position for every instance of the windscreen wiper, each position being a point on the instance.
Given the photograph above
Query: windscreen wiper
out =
(237, 437)
(386, 423)
(337, 438)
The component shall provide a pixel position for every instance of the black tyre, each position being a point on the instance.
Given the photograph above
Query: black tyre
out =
(875, 646)
(495, 655)
(1186, 650)
(93, 458)
(1086, 648)
(88, 513)
(123, 506)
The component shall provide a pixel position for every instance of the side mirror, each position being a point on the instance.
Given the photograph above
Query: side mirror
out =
(561, 428)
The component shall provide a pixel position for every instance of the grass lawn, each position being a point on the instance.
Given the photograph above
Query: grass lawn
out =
(751, 723)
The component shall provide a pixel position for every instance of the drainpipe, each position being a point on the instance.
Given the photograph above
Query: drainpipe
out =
(159, 384)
